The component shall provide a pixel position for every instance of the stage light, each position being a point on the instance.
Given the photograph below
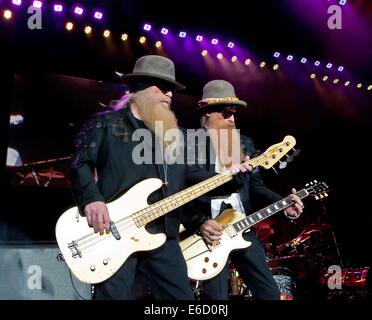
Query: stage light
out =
(329, 65)
(204, 53)
(79, 10)
(98, 15)
(276, 54)
(124, 37)
(275, 66)
(369, 87)
(8, 14)
(58, 7)
(142, 40)
(347, 83)
(182, 34)
(303, 60)
(340, 68)
(234, 58)
(158, 44)
(214, 41)
(317, 63)
(17, 2)
(88, 29)
(312, 76)
(106, 33)
(37, 4)
(147, 27)
(164, 31)
(325, 78)
(219, 56)
(342, 2)
(199, 38)
(289, 57)
(69, 26)
(336, 81)
(262, 64)
(230, 45)
(247, 61)
(359, 85)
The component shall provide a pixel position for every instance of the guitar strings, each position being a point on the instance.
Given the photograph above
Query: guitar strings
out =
(146, 213)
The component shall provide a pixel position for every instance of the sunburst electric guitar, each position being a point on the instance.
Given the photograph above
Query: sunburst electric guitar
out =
(206, 261)
(93, 257)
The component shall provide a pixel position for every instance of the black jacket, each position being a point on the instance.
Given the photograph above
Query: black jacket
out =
(105, 144)
(251, 185)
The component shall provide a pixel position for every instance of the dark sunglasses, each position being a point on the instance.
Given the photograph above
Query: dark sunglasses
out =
(228, 112)
(164, 88)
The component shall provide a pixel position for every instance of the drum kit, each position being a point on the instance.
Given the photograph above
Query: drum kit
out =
(40, 173)
(300, 269)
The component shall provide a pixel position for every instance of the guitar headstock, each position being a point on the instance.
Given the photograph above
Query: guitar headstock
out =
(318, 189)
(274, 153)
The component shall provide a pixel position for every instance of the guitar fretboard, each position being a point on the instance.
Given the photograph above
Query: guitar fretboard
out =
(264, 213)
(156, 210)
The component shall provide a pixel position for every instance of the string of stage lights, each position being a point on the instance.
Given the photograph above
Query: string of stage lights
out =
(97, 15)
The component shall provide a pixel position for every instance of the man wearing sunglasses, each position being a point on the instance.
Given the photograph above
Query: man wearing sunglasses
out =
(217, 112)
(107, 163)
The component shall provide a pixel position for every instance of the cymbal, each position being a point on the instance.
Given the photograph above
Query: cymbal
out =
(317, 227)
(51, 174)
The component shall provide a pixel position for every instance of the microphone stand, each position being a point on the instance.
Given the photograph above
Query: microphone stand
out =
(333, 233)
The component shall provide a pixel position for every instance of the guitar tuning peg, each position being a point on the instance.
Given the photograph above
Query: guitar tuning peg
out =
(274, 170)
(316, 198)
(296, 152)
(289, 158)
(321, 196)
(325, 194)
(306, 185)
(282, 164)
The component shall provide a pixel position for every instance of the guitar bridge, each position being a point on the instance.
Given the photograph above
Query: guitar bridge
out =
(73, 246)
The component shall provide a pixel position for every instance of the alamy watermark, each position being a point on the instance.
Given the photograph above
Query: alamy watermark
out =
(335, 280)
(35, 20)
(335, 20)
(189, 148)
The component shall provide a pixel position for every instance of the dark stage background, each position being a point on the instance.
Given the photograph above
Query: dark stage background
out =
(56, 79)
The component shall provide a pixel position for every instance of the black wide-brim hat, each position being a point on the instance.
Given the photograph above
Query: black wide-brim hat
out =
(218, 95)
(154, 69)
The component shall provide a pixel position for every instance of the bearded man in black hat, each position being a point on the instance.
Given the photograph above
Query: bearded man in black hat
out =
(108, 162)
(217, 111)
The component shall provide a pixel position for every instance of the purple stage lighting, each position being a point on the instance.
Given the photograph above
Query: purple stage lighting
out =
(37, 4)
(329, 65)
(17, 2)
(164, 31)
(147, 27)
(182, 34)
(230, 45)
(98, 15)
(58, 7)
(199, 38)
(276, 54)
(317, 63)
(289, 57)
(340, 68)
(303, 60)
(79, 10)
(214, 41)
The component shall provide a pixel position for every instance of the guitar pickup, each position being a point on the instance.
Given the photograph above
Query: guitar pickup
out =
(73, 246)
(114, 231)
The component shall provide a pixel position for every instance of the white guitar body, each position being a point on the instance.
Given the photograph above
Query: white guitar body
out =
(206, 261)
(102, 255)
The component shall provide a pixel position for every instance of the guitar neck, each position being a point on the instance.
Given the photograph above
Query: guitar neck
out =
(160, 208)
(264, 213)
